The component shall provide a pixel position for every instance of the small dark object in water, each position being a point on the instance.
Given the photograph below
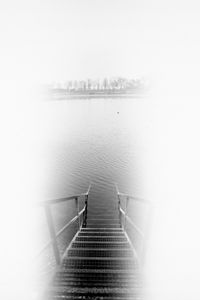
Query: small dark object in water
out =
(118, 112)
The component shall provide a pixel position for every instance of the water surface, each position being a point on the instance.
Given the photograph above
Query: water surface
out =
(94, 140)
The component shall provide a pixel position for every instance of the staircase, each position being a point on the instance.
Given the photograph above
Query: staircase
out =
(99, 263)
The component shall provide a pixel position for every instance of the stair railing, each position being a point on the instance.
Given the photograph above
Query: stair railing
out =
(53, 234)
(124, 218)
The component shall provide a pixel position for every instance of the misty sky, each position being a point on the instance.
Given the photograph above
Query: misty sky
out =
(59, 40)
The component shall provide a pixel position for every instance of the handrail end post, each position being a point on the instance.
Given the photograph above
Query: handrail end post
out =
(85, 213)
(77, 212)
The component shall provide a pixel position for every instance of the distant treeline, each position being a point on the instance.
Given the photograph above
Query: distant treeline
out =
(106, 84)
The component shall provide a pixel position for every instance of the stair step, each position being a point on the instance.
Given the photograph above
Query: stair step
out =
(103, 216)
(102, 229)
(100, 253)
(102, 209)
(100, 239)
(88, 297)
(97, 276)
(106, 226)
(98, 264)
(91, 233)
(102, 224)
(90, 284)
(93, 293)
(98, 272)
(124, 245)
(102, 219)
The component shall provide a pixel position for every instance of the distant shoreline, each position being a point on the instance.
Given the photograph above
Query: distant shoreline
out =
(87, 97)
(61, 93)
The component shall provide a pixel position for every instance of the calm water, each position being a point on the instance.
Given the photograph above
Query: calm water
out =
(94, 140)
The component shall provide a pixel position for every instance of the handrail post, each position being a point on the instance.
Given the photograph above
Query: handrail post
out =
(119, 207)
(77, 209)
(84, 223)
(52, 233)
(86, 208)
(127, 200)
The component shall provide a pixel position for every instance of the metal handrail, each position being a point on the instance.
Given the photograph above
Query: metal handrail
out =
(132, 223)
(124, 212)
(141, 233)
(53, 234)
(133, 198)
(56, 201)
(126, 218)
